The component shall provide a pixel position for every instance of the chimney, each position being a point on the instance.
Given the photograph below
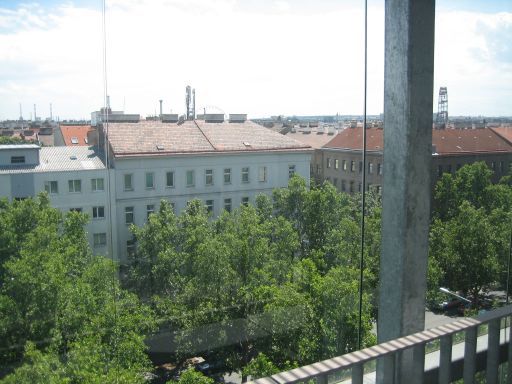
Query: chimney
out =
(161, 101)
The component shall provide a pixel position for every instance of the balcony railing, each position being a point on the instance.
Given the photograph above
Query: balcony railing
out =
(450, 362)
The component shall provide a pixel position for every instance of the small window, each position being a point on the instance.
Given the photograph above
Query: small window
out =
(379, 168)
(98, 212)
(318, 169)
(169, 179)
(370, 168)
(262, 174)
(17, 159)
(369, 187)
(335, 182)
(351, 187)
(378, 188)
(291, 171)
(130, 248)
(100, 239)
(328, 163)
(128, 182)
(439, 170)
(336, 163)
(97, 185)
(208, 177)
(245, 175)
(227, 175)
(360, 167)
(79, 210)
(227, 205)
(74, 140)
(75, 186)
(493, 165)
(150, 180)
(52, 187)
(209, 206)
(360, 187)
(150, 208)
(502, 167)
(344, 165)
(449, 168)
(343, 186)
(352, 166)
(245, 201)
(128, 215)
(190, 178)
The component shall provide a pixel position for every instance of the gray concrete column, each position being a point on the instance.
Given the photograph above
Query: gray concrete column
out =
(408, 96)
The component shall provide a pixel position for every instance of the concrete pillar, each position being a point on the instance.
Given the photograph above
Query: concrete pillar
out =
(408, 95)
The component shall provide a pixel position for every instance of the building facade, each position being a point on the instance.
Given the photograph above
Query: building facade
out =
(341, 159)
(223, 164)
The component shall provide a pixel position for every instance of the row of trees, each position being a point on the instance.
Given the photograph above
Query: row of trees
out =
(263, 288)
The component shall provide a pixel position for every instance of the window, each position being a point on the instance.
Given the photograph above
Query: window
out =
(209, 206)
(318, 169)
(336, 164)
(227, 175)
(128, 182)
(343, 186)
(17, 159)
(493, 165)
(502, 167)
(128, 215)
(378, 188)
(369, 187)
(352, 166)
(227, 205)
(74, 140)
(370, 168)
(150, 208)
(344, 165)
(449, 168)
(169, 179)
(208, 177)
(51, 187)
(190, 178)
(335, 182)
(262, 174)
(245, 201)
(97, 185)
(379, 168)
(439, 170)
(150, 180)
(99, 239)
(291, 171)
(351, 186)
(75, 186)
(130, 248)
(75, 210)
(328, 163)
(245, 175)
(360, 167)
(98, 212)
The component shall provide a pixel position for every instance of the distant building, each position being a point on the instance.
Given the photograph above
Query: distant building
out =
(73, 135)
(341, 158)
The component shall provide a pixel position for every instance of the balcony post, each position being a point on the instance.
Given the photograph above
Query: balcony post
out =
(408, 97)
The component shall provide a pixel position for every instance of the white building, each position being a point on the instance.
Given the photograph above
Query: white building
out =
(224, 164)
(74, 177)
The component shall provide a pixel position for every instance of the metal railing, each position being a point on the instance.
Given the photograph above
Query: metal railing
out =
(475, 354)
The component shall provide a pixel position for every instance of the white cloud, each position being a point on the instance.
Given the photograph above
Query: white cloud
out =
(261, 63)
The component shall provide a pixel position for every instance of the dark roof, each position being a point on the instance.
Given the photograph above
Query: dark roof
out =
(155, 137)
(446, 141)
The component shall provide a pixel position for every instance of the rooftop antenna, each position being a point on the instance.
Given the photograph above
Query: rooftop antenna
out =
(188, 101)
(51, 113)
(21, 113)
(35, 115)
(193, 104)
(442, 108)
(161, 112)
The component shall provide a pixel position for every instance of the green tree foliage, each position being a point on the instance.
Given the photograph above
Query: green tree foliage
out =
(260, 366)
(191, 376)
(63, 314)
(470, 231)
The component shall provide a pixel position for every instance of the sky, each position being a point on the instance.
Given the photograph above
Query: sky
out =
(260, 57)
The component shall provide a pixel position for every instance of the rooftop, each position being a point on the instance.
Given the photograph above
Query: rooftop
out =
(155, 137)
(55, 159)
(314, 139)
(18, 146)
(446, 141)
(75, 135)
(504, 132)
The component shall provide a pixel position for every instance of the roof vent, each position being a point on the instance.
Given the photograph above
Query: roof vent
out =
(214, 118)
(237, 117)
(160, 147)
(170, 118)
(72, 157)
(247, 144)
(74, 140)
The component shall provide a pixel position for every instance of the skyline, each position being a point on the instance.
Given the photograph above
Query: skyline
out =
(261, 58)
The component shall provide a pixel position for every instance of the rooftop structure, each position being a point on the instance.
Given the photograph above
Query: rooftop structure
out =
(75, 135)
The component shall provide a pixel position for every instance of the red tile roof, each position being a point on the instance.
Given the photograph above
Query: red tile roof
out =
(446, 141)
(75, 135)
(504, 132)
(155, 137)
